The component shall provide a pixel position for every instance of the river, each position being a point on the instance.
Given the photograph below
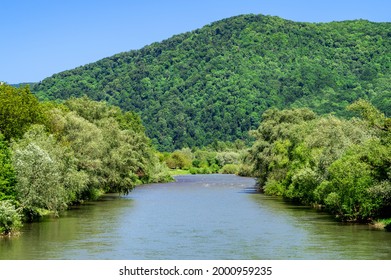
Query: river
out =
(197, 217)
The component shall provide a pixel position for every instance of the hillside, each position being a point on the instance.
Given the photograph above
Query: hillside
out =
(214, 83)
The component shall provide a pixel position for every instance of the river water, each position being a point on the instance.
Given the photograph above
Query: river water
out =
(197, 217)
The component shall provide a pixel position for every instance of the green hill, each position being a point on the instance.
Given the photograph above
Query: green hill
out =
(215, 82)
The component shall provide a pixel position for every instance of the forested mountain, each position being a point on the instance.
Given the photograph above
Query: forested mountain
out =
(214, 83)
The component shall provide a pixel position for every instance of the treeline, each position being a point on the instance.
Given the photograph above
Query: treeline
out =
(341, 165)
(218, 157)
(215, 82)
(53, 156)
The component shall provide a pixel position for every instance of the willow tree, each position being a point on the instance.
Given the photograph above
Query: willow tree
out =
(47, 177)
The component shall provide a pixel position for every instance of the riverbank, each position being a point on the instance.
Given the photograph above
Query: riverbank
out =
(383, 224)
(176, 172)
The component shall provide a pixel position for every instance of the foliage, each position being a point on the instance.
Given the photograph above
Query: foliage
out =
(19, 108)
(179, 159)
(343, 165)
(109, 145)
(217, 158)
(230, 168)
(46, 172)
(10, 218)
(214, 83)
(68, 153)
(7, 175)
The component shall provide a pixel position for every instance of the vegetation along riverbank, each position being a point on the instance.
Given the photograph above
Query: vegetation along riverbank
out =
(55, 155)
(341, 165)
(315, 98)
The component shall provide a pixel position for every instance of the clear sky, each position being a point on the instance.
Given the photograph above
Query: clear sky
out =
(43, 37)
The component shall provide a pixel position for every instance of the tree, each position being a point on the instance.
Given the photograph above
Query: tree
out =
(7, 174)
(47, 177)
(343, 165)
(19, 108)
(276, 138)
(371, 115)
(110, 146)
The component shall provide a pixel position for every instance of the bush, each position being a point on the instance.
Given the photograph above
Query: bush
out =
(179, 159)
(230, 169)
(224, 158)
(10, 219)
(273, 187)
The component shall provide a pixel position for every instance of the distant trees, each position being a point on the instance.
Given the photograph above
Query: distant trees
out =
(220, 157)
(342, 165)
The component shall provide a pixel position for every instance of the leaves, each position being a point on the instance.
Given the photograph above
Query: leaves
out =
(10, 218)
(214, 83)
(7, 174)
(19, 108)
(343, 165)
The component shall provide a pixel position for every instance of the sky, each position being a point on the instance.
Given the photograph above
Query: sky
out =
(42, 37)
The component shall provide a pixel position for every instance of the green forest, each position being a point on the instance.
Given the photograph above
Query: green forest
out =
(302, 107)
(215, 82)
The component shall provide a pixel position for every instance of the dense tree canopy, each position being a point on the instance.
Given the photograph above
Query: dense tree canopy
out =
(58, 155)
(214, 83)
(342, 165)
(19, 108)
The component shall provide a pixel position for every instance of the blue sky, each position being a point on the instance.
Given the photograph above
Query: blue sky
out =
(43, 37)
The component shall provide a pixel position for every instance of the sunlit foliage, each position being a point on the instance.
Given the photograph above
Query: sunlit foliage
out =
(341, 165)
(214, 83)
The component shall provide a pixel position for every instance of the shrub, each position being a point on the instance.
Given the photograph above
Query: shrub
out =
(10, 219)
(179, 159)
(230, 169)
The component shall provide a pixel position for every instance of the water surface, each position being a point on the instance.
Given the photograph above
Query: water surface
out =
(196, 217)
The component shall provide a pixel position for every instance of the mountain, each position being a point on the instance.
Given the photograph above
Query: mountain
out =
(22, 85)
(214, 83)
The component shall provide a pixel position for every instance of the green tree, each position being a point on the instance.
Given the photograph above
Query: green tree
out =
(46, 173)
(348, 195)
(341, 164)
(7, 174)
(19, 108)
(109, 145)
(181, 159)
(276, 138)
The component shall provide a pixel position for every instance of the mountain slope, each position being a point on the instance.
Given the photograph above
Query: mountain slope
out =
(214, 83)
